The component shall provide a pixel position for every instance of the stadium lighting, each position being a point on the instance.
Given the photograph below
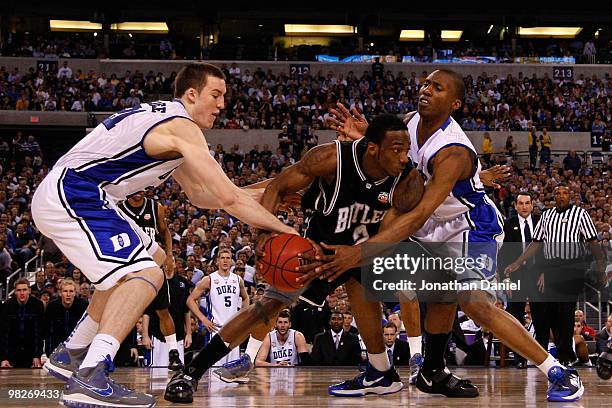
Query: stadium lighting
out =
(548, 32)
(412, 35)
(451, 35)
(490, 28)
(318, 29)
(74, 25)
(141, 27)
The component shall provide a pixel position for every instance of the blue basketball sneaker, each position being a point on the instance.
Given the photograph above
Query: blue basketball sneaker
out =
(565, 385)
(64, 361)
(416, 362)
(371, 381)
(236, 371)
(91, 387)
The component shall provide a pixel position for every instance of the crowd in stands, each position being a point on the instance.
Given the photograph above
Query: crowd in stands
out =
(262, 99)
(199, 234)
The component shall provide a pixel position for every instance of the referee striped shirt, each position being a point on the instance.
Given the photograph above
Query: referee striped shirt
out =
(564, 232)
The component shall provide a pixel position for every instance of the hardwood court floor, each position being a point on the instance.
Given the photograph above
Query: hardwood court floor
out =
(307, 387)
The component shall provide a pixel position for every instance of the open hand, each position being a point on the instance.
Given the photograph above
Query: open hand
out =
(350, 125)
(490, 176)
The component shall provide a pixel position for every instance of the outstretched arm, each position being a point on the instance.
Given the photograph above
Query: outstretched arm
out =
(167, 237)
(318, 162)
(262, 355)
(202, 178)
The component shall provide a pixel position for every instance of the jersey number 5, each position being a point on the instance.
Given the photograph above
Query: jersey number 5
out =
(228, 301)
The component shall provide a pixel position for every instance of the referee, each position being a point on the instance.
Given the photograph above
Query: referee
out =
(563, 231)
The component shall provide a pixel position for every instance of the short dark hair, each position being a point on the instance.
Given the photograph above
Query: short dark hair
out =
(194, 75)
(284, 313)
(21, 281)
(381, 125)
(390, 325)
(457, 81)
(523, 193)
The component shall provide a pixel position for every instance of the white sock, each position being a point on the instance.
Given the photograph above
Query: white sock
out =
(253, 347)
(380, 361)
(101, 346)
(83, 333)
(416, 345)
(171, 342)
(549, 363)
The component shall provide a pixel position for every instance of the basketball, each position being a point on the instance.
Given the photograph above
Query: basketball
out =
(278, 264)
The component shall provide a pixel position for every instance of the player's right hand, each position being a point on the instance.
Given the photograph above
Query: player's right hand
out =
(211, 327)
(351, 125)
(5, 364)
(146, 342)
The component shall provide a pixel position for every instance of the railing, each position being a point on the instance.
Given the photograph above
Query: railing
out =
(17, 273)
(26, 267)
(8, 283)
(598, 308)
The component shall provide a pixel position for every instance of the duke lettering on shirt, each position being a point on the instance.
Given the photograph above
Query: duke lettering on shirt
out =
(226, 289)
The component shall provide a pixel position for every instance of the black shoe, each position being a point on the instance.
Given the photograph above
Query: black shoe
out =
(446, 383)
(174, 359)
(521, 364)
(573, 363)
(181, 388)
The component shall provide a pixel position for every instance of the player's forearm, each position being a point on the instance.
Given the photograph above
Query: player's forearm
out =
(402, 227)
(193, 308)
(168, 242)
(259, 184)
(271, 198)
(187, 322)
(262, 363)
(252, 213)
(145, 325)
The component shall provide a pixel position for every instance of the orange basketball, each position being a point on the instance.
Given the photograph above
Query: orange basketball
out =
(278, 265)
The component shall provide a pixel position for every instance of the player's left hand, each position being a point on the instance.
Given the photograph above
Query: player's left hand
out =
(134, 354)
(344, 257)
(490, 176)
(36, 363)
(187, 340)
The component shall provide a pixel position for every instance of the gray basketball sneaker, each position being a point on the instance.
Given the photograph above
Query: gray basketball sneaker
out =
(64, 361)
(91, 387)
(236, 371)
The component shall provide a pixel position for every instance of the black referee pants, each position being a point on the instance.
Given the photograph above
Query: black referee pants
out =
(563, 281)
(557, 317)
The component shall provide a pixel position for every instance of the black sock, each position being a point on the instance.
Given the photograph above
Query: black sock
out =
(209, 355)
(435, 347)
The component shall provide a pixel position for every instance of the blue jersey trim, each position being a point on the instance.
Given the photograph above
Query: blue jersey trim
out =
(445, 124)
(86, 203)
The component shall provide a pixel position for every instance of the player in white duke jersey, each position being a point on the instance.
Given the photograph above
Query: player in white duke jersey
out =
(453, 209)
(75, 206)
(226, 295)
(283, 346)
